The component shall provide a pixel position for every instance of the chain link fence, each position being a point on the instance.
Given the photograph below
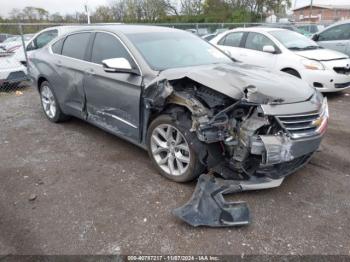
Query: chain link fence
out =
(15, 39)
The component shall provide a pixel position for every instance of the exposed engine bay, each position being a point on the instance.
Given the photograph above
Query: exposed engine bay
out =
(243, 145)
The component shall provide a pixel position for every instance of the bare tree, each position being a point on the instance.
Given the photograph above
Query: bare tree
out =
(191, 7)
(103, 14)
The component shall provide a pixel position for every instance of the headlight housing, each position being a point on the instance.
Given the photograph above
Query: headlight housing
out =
(312, 64)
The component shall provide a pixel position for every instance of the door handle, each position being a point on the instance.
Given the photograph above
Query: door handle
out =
(59, 63)
(340, 44)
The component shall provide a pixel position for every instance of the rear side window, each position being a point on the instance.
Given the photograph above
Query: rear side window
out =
(233, 39)
(57, 47)
(107, 46)
(75, 45)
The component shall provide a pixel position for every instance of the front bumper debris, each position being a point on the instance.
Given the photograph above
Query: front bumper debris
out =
(207, 206)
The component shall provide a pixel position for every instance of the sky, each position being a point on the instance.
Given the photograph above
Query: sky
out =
(62, 6)
(297, 3)
(71, 6)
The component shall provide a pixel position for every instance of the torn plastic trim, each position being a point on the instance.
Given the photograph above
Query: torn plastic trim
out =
(280, 148)
(207, 206)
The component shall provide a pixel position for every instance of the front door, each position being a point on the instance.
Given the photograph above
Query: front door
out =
(253, 51)
(113, 98)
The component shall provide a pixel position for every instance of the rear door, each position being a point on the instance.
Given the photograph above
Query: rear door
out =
(336, 38)
(232, 43)
(113, 99)
(70, 64)
(253, 51)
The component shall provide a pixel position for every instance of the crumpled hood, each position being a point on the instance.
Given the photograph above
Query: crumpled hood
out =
(234, 81)
(321, 54)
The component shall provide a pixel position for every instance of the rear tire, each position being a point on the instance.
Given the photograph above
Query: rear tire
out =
(171, 148)
(50, 104)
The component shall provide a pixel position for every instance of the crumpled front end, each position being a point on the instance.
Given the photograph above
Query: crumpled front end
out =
(255, 138)
(267, 140)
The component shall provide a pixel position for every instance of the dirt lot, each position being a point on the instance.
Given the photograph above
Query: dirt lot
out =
(96, 193)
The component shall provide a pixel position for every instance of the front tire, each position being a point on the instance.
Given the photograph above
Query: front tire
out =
(171, 148)
(50, 104)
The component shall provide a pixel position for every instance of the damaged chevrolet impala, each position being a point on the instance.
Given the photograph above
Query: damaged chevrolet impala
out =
(198, 112)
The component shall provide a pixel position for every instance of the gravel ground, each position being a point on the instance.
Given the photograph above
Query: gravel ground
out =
(74, 189)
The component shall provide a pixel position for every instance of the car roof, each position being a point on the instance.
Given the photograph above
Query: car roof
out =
(340, 23)
(119, 28)
(259, 29)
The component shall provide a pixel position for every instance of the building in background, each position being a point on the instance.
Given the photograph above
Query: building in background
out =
(321, 13)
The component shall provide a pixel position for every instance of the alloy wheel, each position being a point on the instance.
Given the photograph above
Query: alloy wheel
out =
(48, 102)
(170, 150)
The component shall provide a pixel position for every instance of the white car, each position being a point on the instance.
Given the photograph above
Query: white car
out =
(41, 39)
(290, 52)
(11, 44)
(12, 72)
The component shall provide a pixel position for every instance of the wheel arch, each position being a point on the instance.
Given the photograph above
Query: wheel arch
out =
(286, 69)
(41, 79)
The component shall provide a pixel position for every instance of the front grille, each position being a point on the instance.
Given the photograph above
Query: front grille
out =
(342, 70)
(300, 125)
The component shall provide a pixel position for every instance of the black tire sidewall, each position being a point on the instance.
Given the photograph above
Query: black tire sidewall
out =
(195, 168)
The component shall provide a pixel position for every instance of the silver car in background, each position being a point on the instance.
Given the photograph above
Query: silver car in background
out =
(336, 37)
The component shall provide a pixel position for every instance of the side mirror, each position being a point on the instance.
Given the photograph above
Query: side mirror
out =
(269, 49)
(315, 37)
(118, 65)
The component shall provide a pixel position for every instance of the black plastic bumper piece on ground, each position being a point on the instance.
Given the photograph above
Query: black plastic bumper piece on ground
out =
(207, 206)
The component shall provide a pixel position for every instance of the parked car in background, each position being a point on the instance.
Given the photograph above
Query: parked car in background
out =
(310, 28)
(185, 101)
(8, 40)
(209, 37)
(3, 37)
(11, 72)
(290, 52)
(41, 39)
(11, 44)
(336, 37)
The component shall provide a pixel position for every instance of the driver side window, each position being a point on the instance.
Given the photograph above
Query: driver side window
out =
(340, 32)
(107, 46)
(257, 42)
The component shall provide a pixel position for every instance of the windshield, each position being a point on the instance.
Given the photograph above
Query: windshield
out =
(176, 49)
(293, 40)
